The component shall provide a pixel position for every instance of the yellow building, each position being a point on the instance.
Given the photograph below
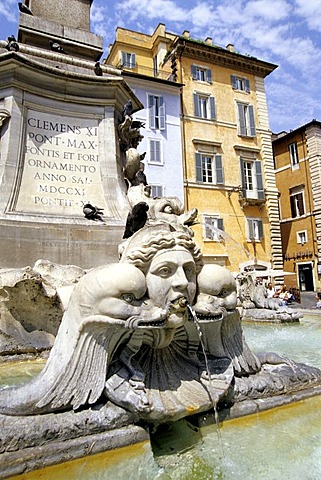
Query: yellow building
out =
(297, 157)
(226, 142)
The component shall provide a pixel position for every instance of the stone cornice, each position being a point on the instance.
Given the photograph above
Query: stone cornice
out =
(247, 148)
(22, 70)
(223, 57)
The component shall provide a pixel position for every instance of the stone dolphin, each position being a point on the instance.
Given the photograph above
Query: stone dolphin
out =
(100, 316)
(219, 318)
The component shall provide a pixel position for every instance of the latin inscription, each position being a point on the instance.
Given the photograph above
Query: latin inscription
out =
(61, 169)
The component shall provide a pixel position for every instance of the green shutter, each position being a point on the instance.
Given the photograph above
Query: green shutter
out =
(220, 224)
(157, 151)
(194, 72)
(161, 113)
(260, 228)
(151, 110)
(252, 121)
(198, 165)
(196, 105)
(152, 150)
(242, 178)
(242, 123)
(250, 229)
(209, 75)
(259, 180)
(219, 169)
(247, 85)
(133, 60)
(212, 108)
(233, 81)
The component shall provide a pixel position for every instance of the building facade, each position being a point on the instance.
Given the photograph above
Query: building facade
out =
(297, 157)
(139, 56)
(228, 171)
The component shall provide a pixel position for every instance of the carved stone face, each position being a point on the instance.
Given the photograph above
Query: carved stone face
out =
(171, 276)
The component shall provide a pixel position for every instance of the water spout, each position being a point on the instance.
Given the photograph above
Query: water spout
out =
(193, 315)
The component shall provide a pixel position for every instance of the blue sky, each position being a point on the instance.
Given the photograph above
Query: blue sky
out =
(284, 32)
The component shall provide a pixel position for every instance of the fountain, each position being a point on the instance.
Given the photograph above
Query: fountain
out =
(152, 340)
(257, 307)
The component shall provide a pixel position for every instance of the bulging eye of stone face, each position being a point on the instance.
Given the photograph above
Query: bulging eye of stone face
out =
(168, 209)
(128, 297)
(223, 293)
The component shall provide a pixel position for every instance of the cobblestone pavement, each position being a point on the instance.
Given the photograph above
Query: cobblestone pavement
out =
(308, 301)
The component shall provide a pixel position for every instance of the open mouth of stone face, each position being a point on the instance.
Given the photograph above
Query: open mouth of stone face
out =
(151, 323)
(208, 318)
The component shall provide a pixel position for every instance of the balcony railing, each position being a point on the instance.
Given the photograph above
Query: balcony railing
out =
(149, 72)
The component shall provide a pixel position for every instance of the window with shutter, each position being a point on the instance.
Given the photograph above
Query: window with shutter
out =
(157, 191)
(201, 74)
(246, 120)
(156, 107)
(209, 168)
(240, 83)
(204, 106)
(128, 59)
(155, 151)
(252, 179)
(255, 230)
(213, 227)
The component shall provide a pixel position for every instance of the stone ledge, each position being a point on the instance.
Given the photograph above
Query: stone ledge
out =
(29, 459)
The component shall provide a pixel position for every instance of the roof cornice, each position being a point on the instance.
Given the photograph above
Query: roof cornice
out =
(223, 57)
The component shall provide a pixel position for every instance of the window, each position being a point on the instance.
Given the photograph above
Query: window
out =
(156, 107)
(293, 149)
(302, 237)
(254, 229)
(212, 227)
(252, 179)
(239, 83)
(155, 151)
(128, 59)
(209, 168)
(297, 203)
(157, 191)
(204, 106)
(246, 122)
(201, 74)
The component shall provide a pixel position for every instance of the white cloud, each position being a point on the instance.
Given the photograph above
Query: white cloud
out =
(9, 9)
(151, 9)
(98, 13)
(310, 11)
(276, 10)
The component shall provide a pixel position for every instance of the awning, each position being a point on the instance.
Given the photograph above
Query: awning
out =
(272, 273)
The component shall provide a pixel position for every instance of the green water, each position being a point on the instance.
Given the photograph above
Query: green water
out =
(283, 443)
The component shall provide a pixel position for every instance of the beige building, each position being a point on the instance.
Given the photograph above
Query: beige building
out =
(297, 157)
(226, 142)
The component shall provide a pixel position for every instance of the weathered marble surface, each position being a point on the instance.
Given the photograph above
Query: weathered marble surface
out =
(32, 304)
(282, 315)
